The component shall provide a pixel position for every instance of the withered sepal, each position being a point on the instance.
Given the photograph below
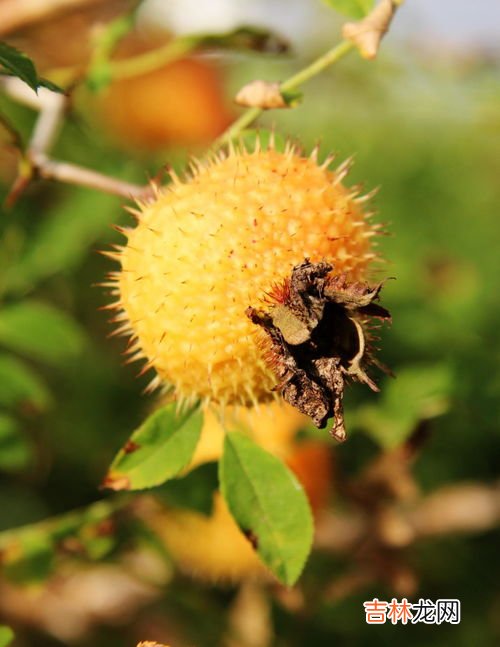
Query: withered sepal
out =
(317, 327)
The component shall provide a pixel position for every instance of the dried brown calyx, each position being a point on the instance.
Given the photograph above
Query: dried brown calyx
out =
(317, 325)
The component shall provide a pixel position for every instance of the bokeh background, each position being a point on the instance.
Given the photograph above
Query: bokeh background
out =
(420, 467)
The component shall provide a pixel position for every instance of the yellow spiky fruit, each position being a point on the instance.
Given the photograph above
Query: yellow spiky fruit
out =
(211, 245)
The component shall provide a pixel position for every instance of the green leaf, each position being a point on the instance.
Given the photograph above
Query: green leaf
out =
(159, 450)
(352, 8)
(41, 332)
(18, 64)
(293, 97)
(14, 448)
(15, 63)
(19, 385)
(6, 636)
(269, 505)
(194, 491)
(244, 38)
(418, 393)
(45, 83)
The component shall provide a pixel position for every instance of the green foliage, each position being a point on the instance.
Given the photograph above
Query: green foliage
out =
(293, 98)
(36, 557)
(159, 450)
(351, 8)
(30, 553)
(21, 386)
(60, 243)
(15, 63)
(418, 393)
(268, 504)
(6, 636)
(41, 331)
(14, 449)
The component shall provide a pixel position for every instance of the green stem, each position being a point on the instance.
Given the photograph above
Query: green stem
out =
(293, 83)
(317, 66)
(149, 61)
(244, 120)
(128, 67)
(110, 37)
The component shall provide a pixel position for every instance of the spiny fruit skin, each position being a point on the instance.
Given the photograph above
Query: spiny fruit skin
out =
(209, 246)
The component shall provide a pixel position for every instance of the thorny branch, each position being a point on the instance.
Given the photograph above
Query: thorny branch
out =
(51, 169)
(36, 161)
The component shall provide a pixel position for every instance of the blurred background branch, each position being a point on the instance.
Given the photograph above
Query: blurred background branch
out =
(35, 161)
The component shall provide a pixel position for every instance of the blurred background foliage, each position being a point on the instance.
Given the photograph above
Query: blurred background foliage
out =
(425, 127)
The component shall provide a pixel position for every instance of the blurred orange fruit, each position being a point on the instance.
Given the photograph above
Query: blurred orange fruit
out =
(311, 462)
(181, 104)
